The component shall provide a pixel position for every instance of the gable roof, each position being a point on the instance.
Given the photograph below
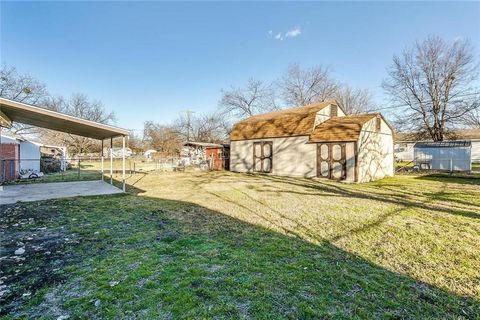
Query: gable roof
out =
(341, 128)
(297, 121)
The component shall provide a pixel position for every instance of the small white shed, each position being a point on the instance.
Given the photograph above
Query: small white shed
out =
(444, 155)
(30, 156)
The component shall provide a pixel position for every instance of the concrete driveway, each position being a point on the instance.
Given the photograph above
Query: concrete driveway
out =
(54, 190)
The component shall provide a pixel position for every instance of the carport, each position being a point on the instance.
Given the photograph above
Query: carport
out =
(12, 111)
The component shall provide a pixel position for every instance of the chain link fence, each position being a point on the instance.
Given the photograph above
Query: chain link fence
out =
(48, 169)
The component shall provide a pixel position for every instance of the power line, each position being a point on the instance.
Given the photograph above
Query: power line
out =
(406, 105)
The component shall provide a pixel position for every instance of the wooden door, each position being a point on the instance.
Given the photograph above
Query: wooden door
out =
(262, 156)
(331, 161)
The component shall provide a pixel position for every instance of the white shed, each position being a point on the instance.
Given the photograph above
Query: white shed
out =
(444, 155)
(30, 156)
(404, 143)
(317, 140)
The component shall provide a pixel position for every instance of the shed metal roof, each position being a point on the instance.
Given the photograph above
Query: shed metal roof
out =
(48, 119)
(444, 144)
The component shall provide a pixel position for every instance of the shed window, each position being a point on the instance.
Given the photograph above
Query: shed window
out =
(333, 111)
(262, 156)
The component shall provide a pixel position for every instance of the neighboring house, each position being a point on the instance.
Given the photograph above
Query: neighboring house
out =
(118, 152)
(149, 154)
(28, 156)
(9, 158)
(317, 140)
(404, 143)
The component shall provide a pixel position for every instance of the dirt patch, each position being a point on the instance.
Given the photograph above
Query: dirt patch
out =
(33, 253)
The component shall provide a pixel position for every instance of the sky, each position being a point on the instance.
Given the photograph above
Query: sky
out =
(153, 60)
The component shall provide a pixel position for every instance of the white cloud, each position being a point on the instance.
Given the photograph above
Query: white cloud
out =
(295, 32)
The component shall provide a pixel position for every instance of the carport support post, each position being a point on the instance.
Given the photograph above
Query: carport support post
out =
(101, 161)
(111, 161)
(123, 163)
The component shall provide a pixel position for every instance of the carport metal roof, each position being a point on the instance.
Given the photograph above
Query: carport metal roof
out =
(44, 118)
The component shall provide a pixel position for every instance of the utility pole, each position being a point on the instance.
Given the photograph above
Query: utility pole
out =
(189, 122)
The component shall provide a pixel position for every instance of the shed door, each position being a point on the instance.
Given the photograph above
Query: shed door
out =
(331, 161)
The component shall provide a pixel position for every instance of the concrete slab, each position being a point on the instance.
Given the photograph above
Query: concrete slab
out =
(54, 190)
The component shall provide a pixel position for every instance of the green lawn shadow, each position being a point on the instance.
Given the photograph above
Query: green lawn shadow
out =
(472, 179)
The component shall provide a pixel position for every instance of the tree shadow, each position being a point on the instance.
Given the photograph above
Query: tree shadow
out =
(202, 262)
(473, 180)
(398, 198)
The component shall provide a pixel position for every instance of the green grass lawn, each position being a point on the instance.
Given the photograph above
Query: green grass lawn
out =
(224, 245)
(476, 166)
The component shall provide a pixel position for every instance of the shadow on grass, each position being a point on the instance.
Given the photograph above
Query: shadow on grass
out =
(472, 179)
(152, 257)
(397, 197)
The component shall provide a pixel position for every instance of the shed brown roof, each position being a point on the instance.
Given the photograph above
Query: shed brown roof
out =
(341, 128)
(471, 134)
(468, 134)
(284, 123)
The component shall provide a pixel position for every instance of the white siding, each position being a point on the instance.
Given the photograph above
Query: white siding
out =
(375, 152)
(29, 156)
(407, 155)
(324, 114)
(292, 156)
(475, 150)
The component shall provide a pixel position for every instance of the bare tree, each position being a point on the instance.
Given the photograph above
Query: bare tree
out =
(205, 128)
(353, 100)
(256, 97)
(164, 139)
(79, 106)
(472, 119)
(211, 128)
(135, 142)
(21, 88)
(300, 87)
(433, 83)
